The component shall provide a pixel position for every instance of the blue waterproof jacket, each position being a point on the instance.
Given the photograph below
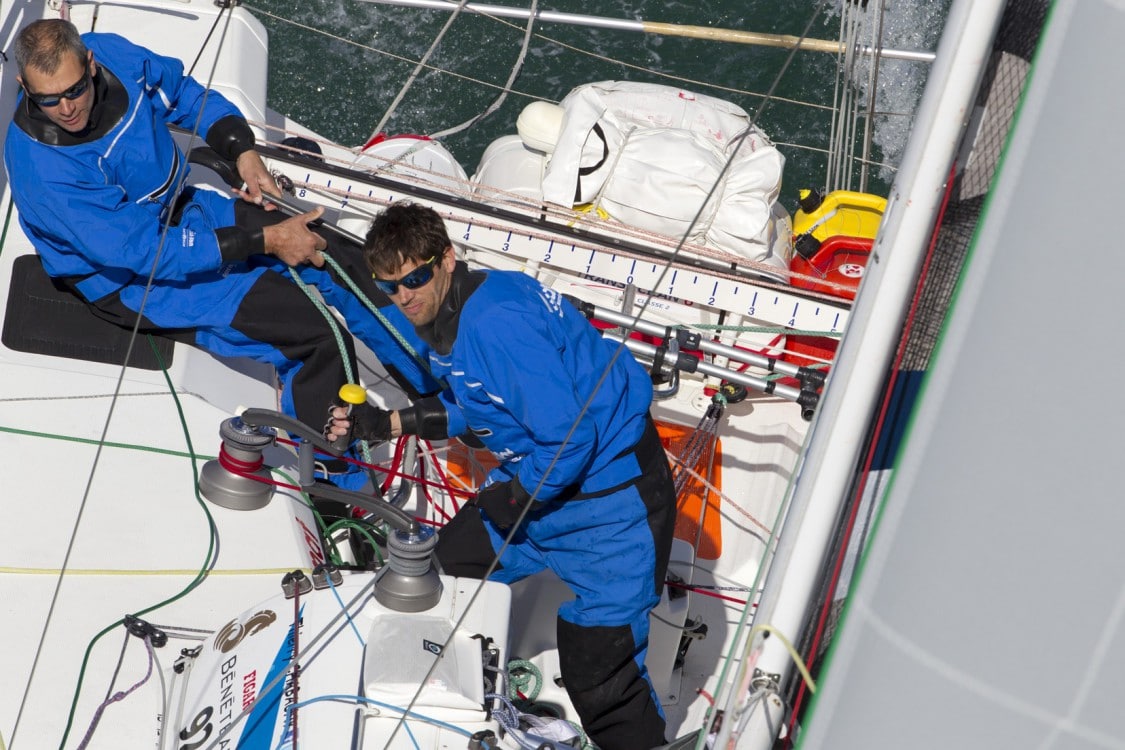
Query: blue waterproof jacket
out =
(522, 363)
(108, 196)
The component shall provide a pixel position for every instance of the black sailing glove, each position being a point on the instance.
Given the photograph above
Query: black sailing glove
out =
(368, 423)
(503, 502)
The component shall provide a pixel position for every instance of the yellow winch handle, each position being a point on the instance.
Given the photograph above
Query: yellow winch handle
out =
(353, 394)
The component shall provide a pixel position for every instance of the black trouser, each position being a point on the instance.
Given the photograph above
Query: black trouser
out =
(275, 311)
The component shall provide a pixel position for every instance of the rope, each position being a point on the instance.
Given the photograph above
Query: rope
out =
(349, 371)
(521, 674)
(418, 68)
(727, 499)
(81, 398)
(116, 697)
(120, 379)
(204, 570)
(329, 317)
(702, 437)
(507, 84)
(508, 716)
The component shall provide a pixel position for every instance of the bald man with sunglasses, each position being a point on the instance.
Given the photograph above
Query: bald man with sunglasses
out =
(99, 183)
(583, 486)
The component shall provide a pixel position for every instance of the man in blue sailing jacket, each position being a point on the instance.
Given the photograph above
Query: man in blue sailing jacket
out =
(98, 181)
(581, 464)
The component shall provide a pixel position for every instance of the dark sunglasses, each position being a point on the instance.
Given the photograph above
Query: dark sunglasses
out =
(52, 100)
(419, 277)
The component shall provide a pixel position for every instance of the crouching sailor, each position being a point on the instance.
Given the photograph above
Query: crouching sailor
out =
(583, 486)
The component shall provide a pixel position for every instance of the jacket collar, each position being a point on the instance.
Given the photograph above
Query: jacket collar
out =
(442, 332)
(111, 100)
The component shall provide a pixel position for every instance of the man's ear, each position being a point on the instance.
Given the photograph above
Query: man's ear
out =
(90, 67)
(449, 260)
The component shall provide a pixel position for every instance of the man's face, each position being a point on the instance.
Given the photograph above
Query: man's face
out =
(69, 111)
(420, 305)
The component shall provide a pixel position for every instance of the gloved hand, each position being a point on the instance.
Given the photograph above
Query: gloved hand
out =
(365, 422)
(503, 502)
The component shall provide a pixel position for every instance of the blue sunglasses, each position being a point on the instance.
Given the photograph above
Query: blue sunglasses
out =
(52, 100)
(419, 277)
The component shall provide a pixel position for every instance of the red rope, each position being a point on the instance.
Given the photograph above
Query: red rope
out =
(247, 469)
(442, 477)
(396, 462)
(236, 465)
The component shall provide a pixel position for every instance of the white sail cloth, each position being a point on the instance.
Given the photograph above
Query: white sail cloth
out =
(649, 155)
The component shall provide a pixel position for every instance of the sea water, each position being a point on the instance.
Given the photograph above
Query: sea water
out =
(338, 66)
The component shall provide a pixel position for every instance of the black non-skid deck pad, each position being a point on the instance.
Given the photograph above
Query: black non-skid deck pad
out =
(43, 317)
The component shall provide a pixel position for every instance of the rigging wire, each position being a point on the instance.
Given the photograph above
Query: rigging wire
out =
(417, 69)
(577, 50)
(507, 84)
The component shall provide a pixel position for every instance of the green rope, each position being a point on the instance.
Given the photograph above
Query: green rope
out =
(347, 523)
(521, 673)
(106, 444)
(328, 316)
(349, 372)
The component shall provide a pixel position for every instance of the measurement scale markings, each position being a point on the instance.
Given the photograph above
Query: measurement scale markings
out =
(722, 294)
